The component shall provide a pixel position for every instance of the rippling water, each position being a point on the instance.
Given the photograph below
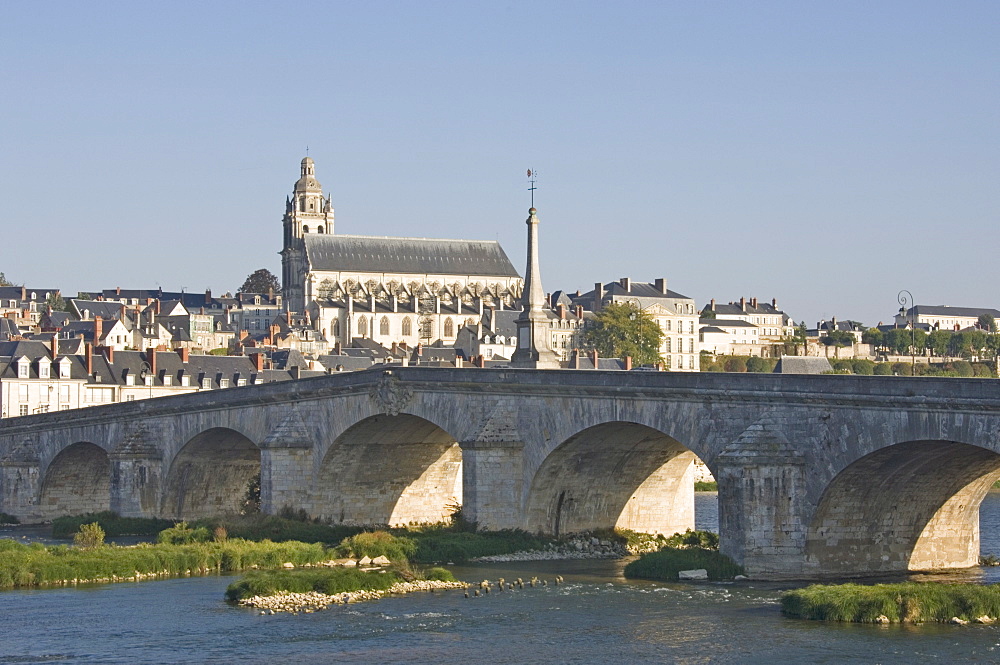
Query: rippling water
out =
(596, 617)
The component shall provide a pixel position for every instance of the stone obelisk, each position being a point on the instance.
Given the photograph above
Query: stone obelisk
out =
(533, 350)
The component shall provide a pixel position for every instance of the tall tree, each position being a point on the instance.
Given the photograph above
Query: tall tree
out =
(4, 281)
(57, 303)
(261, 281)
(622, 329)
(988, 322)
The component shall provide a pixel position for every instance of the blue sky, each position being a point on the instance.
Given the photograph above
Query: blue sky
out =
(826, 154)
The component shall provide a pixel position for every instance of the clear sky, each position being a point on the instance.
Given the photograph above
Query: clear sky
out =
(827, 154)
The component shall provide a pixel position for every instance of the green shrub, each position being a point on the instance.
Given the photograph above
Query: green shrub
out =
(378, 543)
(883, 369)
(706, 486)
(89, 536)
(439, 575)
(735, 364)
(863, 366)
(843, 366)
(8, 519)
(182, 534)
(908, 602)
(758, 365)
(690, 538)
(665, 564)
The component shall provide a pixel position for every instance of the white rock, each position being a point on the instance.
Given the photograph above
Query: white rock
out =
(364, 561)
(881, 618)
(958, 622)
(381, 560)
(740, 578)
(698, 574)
(288, 564)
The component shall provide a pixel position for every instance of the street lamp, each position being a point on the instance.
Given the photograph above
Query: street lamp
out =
(906, 298)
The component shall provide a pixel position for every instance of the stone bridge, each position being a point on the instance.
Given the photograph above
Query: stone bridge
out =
(818, 475)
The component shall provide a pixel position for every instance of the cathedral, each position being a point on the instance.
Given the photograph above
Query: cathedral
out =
(388, 290)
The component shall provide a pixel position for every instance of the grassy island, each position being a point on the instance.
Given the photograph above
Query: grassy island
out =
(665, 565)
(908, 602)
(37, 565)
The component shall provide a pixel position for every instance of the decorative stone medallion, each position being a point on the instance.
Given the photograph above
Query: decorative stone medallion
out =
(389, 394)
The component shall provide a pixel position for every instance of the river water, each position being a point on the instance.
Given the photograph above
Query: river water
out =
(595, 617)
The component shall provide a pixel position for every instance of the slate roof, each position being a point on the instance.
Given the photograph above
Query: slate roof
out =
(102, 308)
(407, 255)
(642, 290)
(729, 323)
(946, 310)
(802, 365)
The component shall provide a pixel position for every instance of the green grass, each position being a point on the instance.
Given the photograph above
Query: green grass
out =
(908, 602)
(112, 523)
(706, 486)
(273, 527)
(327, 580)
(445, 544)
(665, 564)
(34, 565)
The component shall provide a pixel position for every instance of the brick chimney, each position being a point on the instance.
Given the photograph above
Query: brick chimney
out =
(118, 290)
(208, 297)
(661, 284)
(743, 303)
(579, 311)
(151, 359)
(89, 354)
(628, 363)
(480, 361)
(561, 309)
(711, 305)
(54, 345)
(626, 283)
(156, 307)
(184, 353)
(258, 361)
(98, 329)
(109, 353)
(774, 303)
(753, 302)
(593, 357)
(576, 358)
(598, 296)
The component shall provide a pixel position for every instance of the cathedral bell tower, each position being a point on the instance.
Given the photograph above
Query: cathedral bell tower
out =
(306, 212)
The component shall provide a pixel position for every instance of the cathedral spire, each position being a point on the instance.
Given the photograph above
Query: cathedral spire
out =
(533, 348)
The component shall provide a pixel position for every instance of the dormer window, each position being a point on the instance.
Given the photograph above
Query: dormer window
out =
(223, 383)
(130, 379)
(23, 368)
(65, 364)
(149, 380)
(185, 380)
(206, 384)
(167, 380)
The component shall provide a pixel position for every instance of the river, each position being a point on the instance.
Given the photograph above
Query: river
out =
(595, 617)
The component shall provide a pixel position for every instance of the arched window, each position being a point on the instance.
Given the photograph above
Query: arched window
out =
(383, 326)
(336, 329)
(449, 328)
(302, 204)
(305, 229)
(407, 327)
(319, 229)
(363, 326)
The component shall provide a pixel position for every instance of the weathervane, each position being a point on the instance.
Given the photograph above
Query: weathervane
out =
(532, 176)
(307, 151)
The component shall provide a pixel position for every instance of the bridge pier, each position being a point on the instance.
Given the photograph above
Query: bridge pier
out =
(21, 485)
(136, 483)
(493, 483)
(284, 479)
(762, 485)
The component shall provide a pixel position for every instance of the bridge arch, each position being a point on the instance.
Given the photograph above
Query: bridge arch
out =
(210, 475)
(393, 470)
(614, 475)
(76, 481)
(908, 506)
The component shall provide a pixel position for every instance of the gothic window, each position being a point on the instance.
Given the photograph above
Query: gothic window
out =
(383, 326)
(363, 326)
(336, 329)
(449, 328)
(407, 327)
